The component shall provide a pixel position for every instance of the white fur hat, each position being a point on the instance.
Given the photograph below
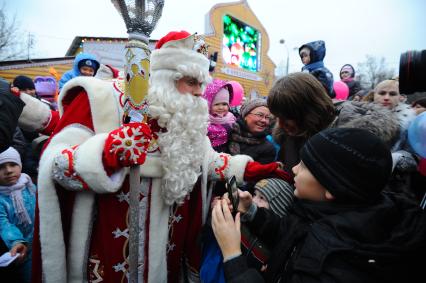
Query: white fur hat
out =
(10, 155)
(180, 51)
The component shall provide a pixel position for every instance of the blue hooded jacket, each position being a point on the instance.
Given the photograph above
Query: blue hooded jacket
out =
(316, 65)
(75, 71)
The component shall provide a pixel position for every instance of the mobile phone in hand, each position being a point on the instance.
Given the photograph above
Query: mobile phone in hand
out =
(232, 189)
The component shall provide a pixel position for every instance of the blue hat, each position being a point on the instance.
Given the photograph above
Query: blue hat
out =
(89, 63)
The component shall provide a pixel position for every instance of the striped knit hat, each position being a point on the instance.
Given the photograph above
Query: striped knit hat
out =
(278, 193)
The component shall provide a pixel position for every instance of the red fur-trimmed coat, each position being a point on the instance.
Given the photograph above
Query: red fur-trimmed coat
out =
(81, 223)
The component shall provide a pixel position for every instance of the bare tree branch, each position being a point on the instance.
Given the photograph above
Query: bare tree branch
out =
(372, 71)
(11, 44)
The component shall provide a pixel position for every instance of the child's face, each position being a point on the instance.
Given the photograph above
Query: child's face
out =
(9, 173)
(419, 109)
(345, 75)
(260, 200)
(220, 109)
(305, 55)
(87, 71)
(306, 186)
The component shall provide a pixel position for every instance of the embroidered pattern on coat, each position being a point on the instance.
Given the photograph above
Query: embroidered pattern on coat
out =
(64, 173)
(219, 168)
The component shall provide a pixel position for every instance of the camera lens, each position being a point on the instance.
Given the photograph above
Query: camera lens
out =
(412, 72)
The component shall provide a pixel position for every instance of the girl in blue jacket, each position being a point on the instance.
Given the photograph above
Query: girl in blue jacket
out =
(17, 204)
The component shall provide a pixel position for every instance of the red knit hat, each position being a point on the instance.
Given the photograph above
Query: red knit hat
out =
(181, 52)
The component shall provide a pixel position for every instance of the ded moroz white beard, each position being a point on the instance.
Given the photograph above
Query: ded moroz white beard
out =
(182, 147)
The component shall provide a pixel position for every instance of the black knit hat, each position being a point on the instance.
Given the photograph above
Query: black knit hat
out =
(278, 193)
(352, 164)
(23, 83)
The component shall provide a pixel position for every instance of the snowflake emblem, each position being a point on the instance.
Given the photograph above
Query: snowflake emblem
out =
(120, 267)
(123, 197)
(118, 233)
(130, 143)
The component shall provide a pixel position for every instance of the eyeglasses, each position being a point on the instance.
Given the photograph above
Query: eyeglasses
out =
(261, 116)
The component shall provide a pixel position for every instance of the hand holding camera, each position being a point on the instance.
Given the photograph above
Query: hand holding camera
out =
(238, 201)
(226, 229)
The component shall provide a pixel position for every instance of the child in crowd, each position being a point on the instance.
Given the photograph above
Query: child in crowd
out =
(24, 84)
(419, 105)
(342, 227)
(17, 204)
(272, 194)
(23, 138)
(218, 95)
(347, 75)
(85, 64)
(10, 110)
(312, 55)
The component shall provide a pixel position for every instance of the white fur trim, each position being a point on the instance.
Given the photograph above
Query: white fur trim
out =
(405, 115)
(51, 235)
(92, 172)
(158, 230)
(189, 62)
(35, 115)
(105, 107)
(237, 166)
(152, 168)
(89, 166)
(81, 225)
(237, 163)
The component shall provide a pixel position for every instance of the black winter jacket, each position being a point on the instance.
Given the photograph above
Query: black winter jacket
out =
(10, 110)
(322, 242)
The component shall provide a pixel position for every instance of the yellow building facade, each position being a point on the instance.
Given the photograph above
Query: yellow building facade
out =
(256, 80)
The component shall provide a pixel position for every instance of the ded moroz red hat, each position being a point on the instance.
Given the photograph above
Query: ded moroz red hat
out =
(182, 52)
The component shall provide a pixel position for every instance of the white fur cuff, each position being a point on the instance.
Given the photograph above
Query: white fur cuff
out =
(237, 166)
(36, 114)
(89, 165)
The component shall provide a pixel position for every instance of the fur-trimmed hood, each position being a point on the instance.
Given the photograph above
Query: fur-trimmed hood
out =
(213, 88)
(369, 116)
(405, 114)
(363, 115)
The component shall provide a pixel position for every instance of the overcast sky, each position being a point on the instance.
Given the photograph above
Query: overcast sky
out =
(351, 29)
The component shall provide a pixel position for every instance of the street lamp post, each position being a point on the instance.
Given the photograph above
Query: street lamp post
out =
(282, 41)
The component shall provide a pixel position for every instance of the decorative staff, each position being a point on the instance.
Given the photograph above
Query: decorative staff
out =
(140, 18)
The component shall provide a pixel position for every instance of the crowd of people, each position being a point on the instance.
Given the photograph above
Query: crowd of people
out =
(329, 187)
